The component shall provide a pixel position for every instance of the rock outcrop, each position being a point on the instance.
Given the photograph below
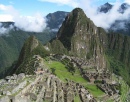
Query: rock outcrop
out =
(81, 38)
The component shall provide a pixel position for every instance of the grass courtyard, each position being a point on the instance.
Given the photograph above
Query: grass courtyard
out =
(62, 72)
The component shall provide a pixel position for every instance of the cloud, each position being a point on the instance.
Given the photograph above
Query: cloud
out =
(35, 23)
(119, 26)
(105, 20)
(8, 9)
(5, 17)
(4, 30)
(73, 3)
(28, 23)
(127, 1)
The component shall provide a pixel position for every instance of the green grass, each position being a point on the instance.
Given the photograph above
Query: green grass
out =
(94, 90)
(124, 88)
(77, 99)
(111, 101)
(62, 72)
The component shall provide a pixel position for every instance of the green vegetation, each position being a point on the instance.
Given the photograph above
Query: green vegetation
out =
(26, 61)
(120, 69)
(62, 72)
(117, 67)
(124, 90)
(118, 51)
(69, 65)
(94, 90)
(110, 101)
(77, 99)
(124, 87)
(56, 47)
(11, 44)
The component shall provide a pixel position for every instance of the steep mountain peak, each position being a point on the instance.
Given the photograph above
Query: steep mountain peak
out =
(107, 4)
(78, 10)
(31, 47)
(105, 8)
(33, 42)
(81, 38)
(76, 23)
(124, 7)
(30, 44)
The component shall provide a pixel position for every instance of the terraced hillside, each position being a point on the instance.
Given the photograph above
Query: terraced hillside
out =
(53, 82)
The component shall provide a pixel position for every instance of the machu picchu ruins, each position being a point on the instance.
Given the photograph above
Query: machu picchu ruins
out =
(45, 86)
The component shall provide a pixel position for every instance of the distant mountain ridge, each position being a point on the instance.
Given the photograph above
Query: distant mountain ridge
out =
(10, 46)
(107, 7)
(12, 42)
(54, 20)
(119, 26)
(6, 24)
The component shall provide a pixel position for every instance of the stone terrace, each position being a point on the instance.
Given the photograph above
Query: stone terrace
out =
(42, 87)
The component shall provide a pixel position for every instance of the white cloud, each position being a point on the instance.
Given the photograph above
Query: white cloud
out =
(8, 9)
(105, 20)
(73, 3)
(127, 1)
(5, 17)
(28, 23)
(100, 19)
(4, 30)
(36, 23)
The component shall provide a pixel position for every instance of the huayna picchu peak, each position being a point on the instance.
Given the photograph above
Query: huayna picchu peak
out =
(79, 65)
(82, 38)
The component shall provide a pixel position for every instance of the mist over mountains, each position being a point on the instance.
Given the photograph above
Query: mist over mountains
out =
(121, 22)
(110, 17)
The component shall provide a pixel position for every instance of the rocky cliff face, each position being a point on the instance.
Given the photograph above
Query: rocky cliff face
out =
(82, 38)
